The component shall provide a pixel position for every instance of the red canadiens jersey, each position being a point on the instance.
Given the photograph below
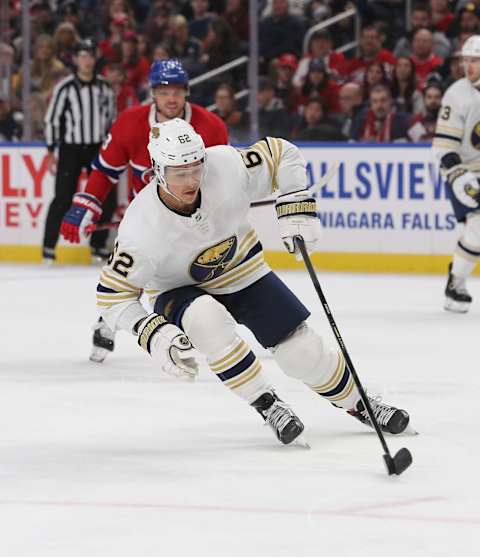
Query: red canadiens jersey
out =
(126, 144)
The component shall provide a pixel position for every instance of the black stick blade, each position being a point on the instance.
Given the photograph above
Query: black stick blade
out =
(399, 463)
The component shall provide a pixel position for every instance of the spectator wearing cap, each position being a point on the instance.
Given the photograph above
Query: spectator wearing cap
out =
(423, 57)
(110, 46)
(316, 125)
(285, 67)
(319, 84)
(280, 32)
(370, 51)
(200, 20)
(320, 47)
(78, 118)
(424, 124)
(136, 67)
(467, 20)
(421, 17)
(381, 122)
(405, 94)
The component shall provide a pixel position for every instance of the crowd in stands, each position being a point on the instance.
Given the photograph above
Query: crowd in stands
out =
(387, 89)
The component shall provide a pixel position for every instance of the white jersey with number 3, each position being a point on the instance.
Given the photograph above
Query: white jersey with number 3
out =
(458, 125)
(216, 248)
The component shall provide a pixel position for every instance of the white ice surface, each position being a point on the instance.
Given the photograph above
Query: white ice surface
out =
(115, 460)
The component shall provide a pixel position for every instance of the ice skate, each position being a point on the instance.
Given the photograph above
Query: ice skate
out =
(280, 417)
(103, 341)
(48, 257)
(457, 298)
(100, 255)
(390, 419)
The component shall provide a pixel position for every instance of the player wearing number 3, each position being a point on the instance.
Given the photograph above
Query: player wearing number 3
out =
(457, 147)
(186, 241)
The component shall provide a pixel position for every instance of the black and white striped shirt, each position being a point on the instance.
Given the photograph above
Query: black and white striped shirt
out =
(80, 112)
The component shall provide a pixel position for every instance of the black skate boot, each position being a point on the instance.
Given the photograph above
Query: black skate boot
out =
(457, 298)
(390, 419)
(278, 415)
(103, 341)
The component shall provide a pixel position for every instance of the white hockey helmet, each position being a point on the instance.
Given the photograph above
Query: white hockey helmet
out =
(471, 47)
(174, 143)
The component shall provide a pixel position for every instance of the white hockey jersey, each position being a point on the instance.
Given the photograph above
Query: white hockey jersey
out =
(458, 125)
(158, 249)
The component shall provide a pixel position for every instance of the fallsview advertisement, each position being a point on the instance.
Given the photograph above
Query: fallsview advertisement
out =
(386, 208)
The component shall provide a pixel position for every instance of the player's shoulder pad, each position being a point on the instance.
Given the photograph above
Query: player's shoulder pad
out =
(458, 91)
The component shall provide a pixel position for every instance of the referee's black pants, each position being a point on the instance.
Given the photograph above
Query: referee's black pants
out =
(71, 160)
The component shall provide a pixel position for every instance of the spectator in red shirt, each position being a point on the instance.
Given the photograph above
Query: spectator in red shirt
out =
(423, 57)
(320, 48)
(285, 67)
(442, 17)
(370, 51)
(319, 84)
(136, 67)
(381, 122)
(125, 94)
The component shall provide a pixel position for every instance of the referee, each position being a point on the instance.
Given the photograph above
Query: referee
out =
(77, 120)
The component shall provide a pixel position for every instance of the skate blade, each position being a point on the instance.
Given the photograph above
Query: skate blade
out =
(409, 431)
(456, 307)
(98, 355)
(301, 442)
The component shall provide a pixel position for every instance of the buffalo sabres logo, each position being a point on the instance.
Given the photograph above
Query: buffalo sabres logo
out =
(212, 262)
(475, 136)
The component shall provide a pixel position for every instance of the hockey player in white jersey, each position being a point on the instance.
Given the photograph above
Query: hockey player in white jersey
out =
(185, 240)
(457, 147)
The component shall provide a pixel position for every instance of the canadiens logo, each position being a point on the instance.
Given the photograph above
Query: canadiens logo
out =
(475, 136)
(212, 262)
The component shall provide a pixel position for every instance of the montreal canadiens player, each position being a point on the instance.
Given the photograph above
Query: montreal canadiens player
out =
(126, 144)
(456, 145)
(186, 241)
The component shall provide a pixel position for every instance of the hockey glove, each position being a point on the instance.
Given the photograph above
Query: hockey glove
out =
(86, 209)
(169, 345)
(297, 216)
(465, 186)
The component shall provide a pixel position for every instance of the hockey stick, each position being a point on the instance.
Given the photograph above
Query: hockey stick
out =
(402, 460)
(314, 189)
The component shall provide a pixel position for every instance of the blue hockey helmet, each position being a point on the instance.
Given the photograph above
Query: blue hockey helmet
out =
(168, 72)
